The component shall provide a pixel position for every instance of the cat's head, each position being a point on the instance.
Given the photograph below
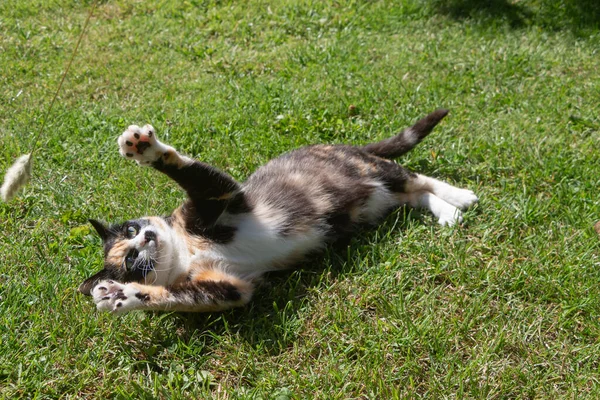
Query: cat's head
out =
(133, 251)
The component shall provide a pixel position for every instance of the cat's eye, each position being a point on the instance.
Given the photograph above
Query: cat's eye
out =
(132, 231)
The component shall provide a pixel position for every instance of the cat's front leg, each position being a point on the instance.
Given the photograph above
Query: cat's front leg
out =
(220, 292)
(210, 190)
(117, 297)
(142, 145)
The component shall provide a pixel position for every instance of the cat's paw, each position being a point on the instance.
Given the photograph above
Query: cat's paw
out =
(460, 198)
(450, 216)
(141, 144)
(115, 297)
(465, 198)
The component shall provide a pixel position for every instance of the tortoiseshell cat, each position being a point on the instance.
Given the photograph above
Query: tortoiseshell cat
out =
(208, 254)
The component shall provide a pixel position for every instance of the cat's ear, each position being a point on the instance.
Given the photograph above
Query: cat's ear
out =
(100, 228)
(87, 285)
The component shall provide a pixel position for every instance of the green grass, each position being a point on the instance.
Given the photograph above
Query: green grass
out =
(506, 306)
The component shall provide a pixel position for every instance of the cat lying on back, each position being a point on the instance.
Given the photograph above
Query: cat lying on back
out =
(208, 254)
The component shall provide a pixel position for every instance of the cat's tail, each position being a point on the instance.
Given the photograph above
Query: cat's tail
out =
(408, 138)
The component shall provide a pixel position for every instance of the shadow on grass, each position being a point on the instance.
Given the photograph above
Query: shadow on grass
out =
(579, 16)
(271, 320)
(491, 10)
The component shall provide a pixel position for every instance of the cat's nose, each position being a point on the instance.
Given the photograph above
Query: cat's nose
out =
(149, 236)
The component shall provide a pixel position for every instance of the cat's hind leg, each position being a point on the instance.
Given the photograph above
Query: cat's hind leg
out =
(444, 201)
(459, 198)
(446, 213)
(211, 291)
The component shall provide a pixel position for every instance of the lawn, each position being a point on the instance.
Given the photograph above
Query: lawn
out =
(505, 306)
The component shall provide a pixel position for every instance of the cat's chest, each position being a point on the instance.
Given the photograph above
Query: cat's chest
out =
(259, 244)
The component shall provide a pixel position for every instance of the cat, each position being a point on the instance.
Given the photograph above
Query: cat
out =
(211, 251)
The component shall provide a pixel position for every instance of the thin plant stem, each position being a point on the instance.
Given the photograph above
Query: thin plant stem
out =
(64, 75)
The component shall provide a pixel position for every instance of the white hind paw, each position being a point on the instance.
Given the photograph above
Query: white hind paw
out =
(141, 144)
(464, 198)
(450, 217)
(460, 198)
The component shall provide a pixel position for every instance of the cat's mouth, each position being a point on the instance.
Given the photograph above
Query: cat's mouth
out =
(130, 259)
(139, 263)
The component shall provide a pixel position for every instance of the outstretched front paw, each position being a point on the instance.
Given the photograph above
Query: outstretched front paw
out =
(115, 297)
(141, 144)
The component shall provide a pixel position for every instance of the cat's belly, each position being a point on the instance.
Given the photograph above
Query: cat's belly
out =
(260, 245)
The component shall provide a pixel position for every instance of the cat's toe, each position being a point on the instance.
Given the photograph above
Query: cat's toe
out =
(106, 294)
(115, 297)
(460, 198)
(450, 217)
(465, 199)
(140, 144)
(149, 131)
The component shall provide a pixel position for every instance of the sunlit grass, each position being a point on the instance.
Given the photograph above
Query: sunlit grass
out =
(505, 306)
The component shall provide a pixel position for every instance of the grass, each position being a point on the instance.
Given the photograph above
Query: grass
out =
(506, 306)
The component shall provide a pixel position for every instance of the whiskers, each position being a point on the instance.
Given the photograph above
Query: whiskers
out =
(147, 263)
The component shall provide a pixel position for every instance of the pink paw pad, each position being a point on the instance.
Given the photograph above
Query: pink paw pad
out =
(139, 144)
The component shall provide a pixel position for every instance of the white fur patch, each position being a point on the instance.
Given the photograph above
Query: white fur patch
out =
(116, 297)
(410, 137)
(141, 145)
(446, 213)
(258, 244)
(379, 202)
(460, 198)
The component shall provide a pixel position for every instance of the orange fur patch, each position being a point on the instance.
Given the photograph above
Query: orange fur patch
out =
(209, 271)
(172, 157)
(118, 252)
(156, 294)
